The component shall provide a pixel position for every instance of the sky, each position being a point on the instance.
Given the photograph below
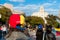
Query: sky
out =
(31, 6)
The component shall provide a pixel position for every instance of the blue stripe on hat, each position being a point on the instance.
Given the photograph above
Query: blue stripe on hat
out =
(40, 26)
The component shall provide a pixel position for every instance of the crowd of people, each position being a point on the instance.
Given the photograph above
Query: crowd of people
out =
(28, 32)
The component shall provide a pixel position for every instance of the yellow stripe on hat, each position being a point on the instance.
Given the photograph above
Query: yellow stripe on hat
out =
(22, 19)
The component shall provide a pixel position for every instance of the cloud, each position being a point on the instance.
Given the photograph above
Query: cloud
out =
(17, 0)
(52, 0)
(47, 4)
(29, 6)
(50, 7)
(59, 6)
(1, 4)
(52, 11)
(55, 1)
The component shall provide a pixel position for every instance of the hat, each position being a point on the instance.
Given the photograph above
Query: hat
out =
(40, 26)
(49, 27)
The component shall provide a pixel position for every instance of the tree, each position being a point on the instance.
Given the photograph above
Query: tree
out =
(34, 20)
(52, 20)
(5, 14)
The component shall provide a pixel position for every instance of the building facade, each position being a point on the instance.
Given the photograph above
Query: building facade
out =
(41, 13)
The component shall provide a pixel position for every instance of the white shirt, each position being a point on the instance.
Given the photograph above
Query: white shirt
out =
(3, 28)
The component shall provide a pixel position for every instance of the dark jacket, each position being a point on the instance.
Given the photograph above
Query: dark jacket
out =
(39, 34)
(49, 36)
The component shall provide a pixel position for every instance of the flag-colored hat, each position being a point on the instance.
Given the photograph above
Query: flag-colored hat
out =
(16, 19)
(40, 26)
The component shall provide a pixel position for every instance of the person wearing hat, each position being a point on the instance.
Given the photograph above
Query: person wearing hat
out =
(39, 33)
(49, 35)
(19, 27)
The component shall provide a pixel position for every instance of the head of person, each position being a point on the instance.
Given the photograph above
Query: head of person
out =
(40, 26)
(48, 28)
(39, 33)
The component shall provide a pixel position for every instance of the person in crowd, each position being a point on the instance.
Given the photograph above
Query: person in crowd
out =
(39, 33)
(0, 33)
(53, 30)
(26, 31)
(34, 34)
(16, 34)
(49, 35)
(19, 27)
(4, 29)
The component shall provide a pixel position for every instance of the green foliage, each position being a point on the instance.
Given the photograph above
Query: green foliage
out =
(34, 20)
(5, 13)
(51, 19)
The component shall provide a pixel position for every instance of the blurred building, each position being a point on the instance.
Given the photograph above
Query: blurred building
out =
(41, 13)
